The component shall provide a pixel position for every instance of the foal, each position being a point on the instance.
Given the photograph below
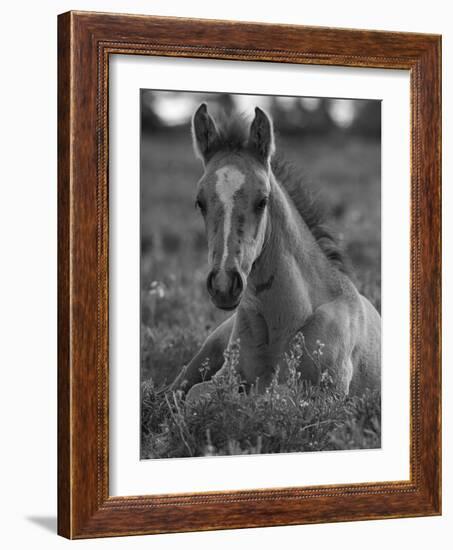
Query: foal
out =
(275, 266)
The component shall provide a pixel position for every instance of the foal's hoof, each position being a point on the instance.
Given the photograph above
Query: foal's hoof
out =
(199, 391)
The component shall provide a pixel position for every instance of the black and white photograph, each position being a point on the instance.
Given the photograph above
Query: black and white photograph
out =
(260, 274)
(225, 275)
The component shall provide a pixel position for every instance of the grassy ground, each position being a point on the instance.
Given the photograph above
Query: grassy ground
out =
(177, 315)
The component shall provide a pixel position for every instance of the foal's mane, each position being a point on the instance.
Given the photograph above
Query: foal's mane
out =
(233, 137)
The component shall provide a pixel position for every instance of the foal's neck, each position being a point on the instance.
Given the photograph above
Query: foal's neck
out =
(292, 276)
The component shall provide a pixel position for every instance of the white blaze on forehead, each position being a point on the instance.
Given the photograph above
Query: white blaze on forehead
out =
(229, 181)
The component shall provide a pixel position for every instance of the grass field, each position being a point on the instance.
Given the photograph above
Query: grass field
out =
(177, 315)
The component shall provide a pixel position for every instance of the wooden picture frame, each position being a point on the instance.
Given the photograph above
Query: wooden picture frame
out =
(85, 42)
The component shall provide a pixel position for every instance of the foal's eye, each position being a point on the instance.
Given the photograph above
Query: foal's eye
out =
(261, 204)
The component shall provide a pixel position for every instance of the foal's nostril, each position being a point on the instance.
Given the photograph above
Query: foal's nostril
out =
(210, 282)
(236, 284)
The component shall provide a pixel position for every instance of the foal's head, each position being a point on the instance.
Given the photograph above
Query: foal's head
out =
(233, 197)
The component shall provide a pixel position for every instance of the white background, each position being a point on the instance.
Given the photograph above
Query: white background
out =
(129, 476)
(28, 271)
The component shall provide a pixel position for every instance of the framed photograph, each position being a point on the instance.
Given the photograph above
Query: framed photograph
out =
(249, 275)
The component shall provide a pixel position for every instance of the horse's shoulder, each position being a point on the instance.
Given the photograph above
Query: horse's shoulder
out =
(341, 317)
(329, 318)
(345, 302)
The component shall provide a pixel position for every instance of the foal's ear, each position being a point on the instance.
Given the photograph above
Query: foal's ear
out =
(261, 138)
(204, 133)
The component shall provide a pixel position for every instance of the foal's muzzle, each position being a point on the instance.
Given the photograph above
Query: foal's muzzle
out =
(225, 288)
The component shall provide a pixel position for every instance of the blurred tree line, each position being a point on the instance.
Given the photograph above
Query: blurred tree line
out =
(163, 111)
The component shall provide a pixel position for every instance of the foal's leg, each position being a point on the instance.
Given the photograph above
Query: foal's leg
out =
(212, 352)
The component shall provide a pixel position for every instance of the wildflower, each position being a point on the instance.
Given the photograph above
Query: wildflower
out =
(204, 369)
(157, 289)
